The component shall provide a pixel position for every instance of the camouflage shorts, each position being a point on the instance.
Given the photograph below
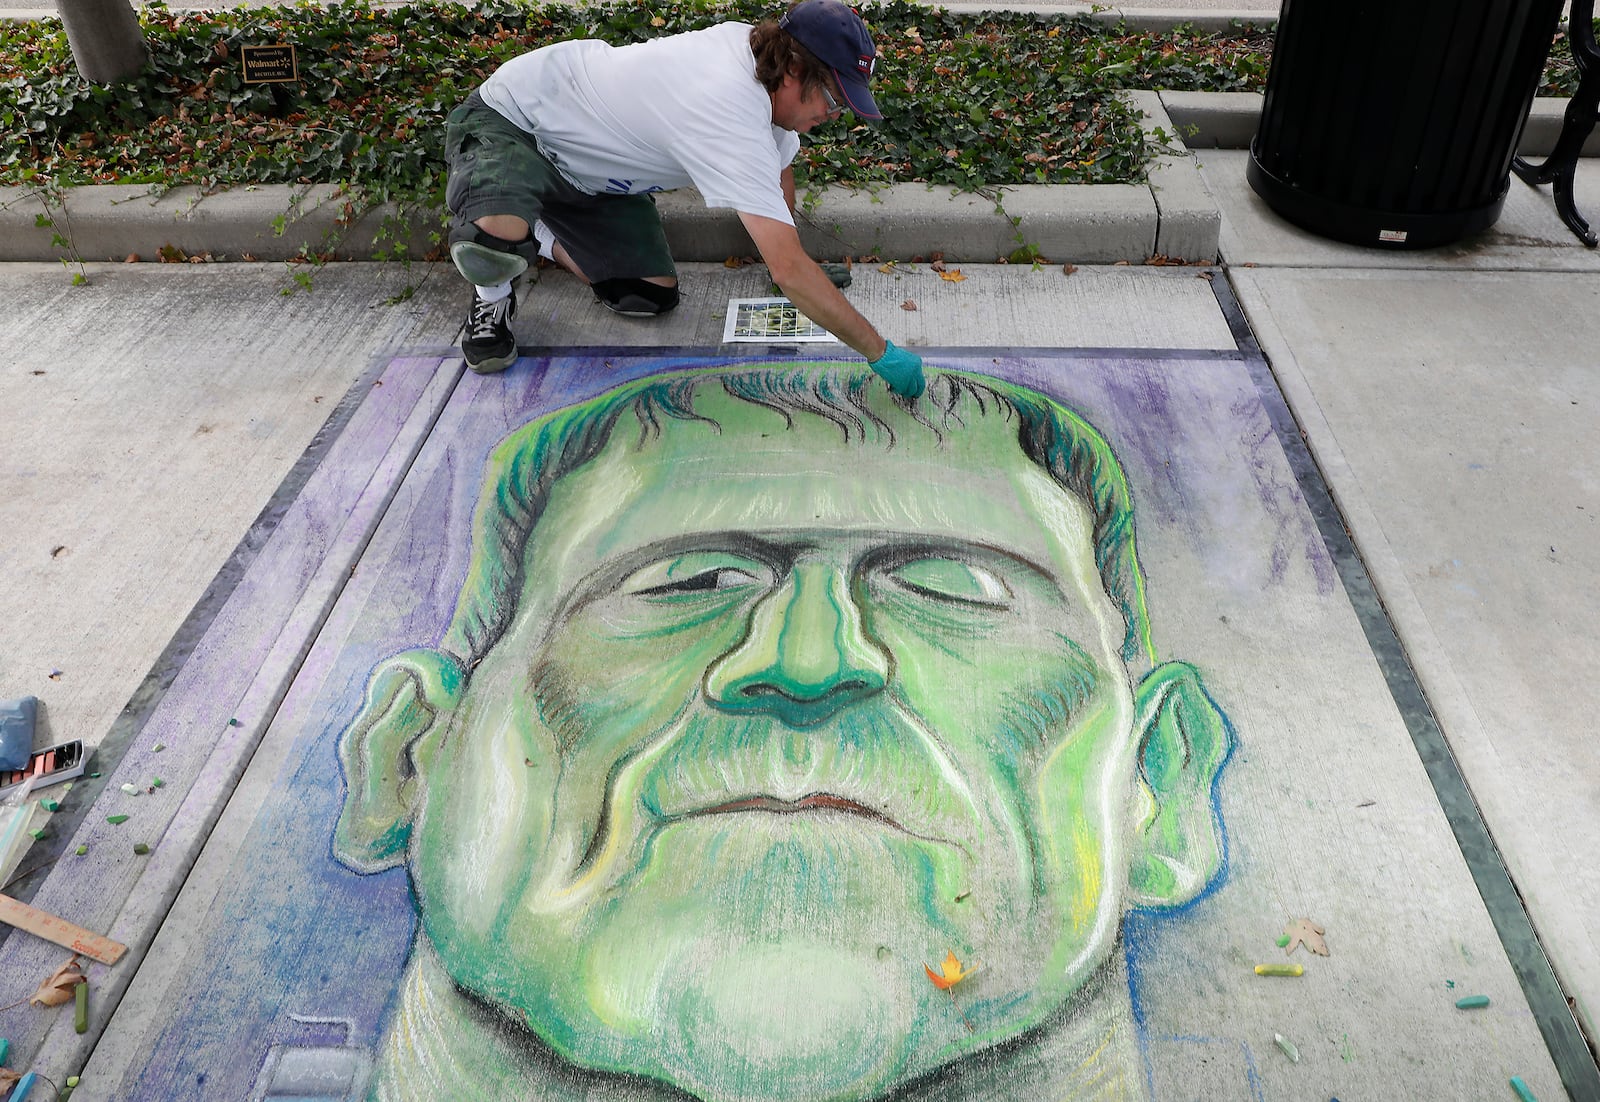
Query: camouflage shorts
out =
(497, 168)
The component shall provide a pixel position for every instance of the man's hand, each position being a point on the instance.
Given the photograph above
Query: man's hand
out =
(838, 274)
(902, 370)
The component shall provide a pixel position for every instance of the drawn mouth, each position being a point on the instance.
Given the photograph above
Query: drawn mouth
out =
(816, 801)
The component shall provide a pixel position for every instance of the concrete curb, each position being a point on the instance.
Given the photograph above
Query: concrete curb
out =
(1171, 215)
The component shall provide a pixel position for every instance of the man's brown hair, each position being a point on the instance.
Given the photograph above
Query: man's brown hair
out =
(777, 52)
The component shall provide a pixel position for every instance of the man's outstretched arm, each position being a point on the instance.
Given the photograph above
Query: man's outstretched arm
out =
(805, 284)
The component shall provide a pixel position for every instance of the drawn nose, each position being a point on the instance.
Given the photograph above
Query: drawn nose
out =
(805, 654)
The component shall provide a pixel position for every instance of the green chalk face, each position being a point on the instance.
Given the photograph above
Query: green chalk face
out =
(781, 719)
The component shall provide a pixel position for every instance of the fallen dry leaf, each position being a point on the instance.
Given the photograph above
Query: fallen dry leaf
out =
(1068, 269)
(938, 263)
(952, 276)
(131, 258)
(908, 305)
(57, 988)
(887, 269)
(9, 1077)
(1302, 931)
(950, 972)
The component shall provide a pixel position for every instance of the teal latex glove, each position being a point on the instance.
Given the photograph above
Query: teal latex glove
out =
(902, 370)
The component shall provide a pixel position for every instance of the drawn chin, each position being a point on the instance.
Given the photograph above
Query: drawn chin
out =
(782, 1022)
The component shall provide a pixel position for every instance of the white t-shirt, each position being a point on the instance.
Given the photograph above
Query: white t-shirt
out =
(653, 116)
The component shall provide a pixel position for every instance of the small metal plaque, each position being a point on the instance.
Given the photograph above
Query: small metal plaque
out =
(269, 64)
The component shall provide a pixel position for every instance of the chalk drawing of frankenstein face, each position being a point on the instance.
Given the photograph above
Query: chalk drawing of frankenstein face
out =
(764, 690)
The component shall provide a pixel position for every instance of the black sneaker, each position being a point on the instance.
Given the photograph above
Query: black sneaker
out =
(487, 344)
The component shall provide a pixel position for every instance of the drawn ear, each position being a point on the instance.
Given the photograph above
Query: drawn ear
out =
(383, 755)
(1183, 740)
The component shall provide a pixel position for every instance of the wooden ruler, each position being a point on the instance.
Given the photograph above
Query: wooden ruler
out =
(59, 930)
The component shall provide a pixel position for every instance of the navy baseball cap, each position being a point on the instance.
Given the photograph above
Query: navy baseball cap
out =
(836, 35)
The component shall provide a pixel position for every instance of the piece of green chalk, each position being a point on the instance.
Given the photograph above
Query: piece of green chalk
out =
(116, 820)
(80, 1017)
(1522, 1089)
(158, 747)
(1283, 941)
(1472, 1002)
(156, 782)
(82, 850)
(1280, 970)
(1286, 1046)
(37, 834)
(5, 1049)
(50, 805)
(72, 1080)
(140, 848)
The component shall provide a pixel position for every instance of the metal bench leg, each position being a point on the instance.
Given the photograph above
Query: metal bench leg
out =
(1579, 121)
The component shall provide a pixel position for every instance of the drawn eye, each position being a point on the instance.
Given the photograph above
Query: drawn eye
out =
(952, 580)
(700, 572)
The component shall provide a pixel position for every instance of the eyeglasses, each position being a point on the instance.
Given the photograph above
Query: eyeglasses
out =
(827, 97)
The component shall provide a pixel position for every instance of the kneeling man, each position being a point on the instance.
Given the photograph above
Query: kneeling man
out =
(559, 152)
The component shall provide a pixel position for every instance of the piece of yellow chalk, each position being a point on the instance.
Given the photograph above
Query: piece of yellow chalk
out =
(1280, 970)
(80, 1019)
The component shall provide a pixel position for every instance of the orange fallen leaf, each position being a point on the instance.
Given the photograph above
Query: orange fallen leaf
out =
(950, 972)
(1068, 269)
(57, 988)
(908, 305)
(952, 276)
(888, 268)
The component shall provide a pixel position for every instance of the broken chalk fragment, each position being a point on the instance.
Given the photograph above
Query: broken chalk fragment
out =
(234, 723)
(50, 805)
(131, 789)
(1283, 940)
(1286, 1046)
(1472, 1002)
(5, 1049)
(80, 1016)
(1522, 1089)
(116, 820)
(94, 774)
(82, 850)
(140, 848)
(37, 834)
(158, 747)
(156, 782)
(1280, 970)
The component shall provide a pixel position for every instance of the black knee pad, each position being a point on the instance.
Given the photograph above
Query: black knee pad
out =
(637, 298)
(485, 259)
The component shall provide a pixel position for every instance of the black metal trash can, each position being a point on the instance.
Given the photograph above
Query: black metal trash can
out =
(1393, 122)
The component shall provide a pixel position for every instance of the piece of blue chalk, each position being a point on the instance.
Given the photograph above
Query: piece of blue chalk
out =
(1522, 1089)
(24, 1085)
(5, 1050)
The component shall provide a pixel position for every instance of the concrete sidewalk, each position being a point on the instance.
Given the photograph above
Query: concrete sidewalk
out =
(1448, 399)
